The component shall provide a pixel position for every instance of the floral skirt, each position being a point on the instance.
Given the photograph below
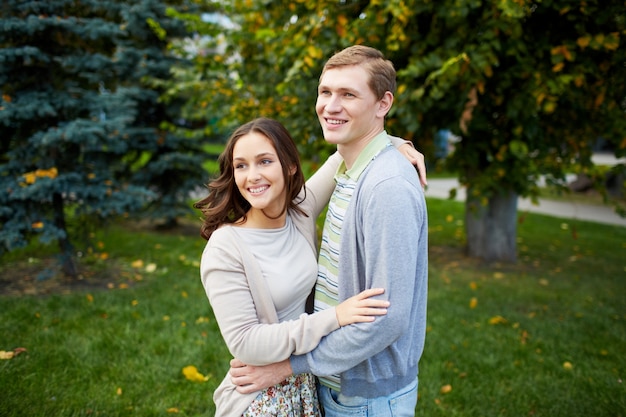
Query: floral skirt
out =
(296, 396)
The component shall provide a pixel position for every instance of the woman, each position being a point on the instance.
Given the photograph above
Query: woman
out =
(260, 264)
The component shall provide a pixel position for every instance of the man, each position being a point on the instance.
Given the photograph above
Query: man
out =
(375, 235)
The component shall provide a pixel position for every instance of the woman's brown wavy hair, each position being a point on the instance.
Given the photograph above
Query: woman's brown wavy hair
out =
(225, 204)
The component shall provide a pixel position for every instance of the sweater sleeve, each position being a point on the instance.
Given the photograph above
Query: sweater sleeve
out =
(321, 184)
(397, 142)
(247, 317)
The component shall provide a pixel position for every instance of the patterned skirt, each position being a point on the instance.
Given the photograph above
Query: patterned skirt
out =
(296, 396)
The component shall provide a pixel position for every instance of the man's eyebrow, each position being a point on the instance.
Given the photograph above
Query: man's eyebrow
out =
(340, 89)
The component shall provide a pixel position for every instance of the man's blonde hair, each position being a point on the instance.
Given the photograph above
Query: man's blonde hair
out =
(381, 70)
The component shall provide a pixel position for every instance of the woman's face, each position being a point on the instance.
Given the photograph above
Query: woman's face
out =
(259, 173)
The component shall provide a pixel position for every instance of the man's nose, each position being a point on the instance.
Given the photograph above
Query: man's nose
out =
(334, 104)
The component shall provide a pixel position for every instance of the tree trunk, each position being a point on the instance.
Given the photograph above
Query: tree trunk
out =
(492, 228)
(65, 246)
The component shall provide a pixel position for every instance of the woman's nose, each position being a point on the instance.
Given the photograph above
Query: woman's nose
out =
(254, 175)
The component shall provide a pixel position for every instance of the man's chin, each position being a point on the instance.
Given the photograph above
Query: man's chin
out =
(331, 137)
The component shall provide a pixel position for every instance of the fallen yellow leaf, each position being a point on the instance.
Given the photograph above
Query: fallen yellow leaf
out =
(446, 389)
(497, 320)
(567, 365)
(6, 355)
(473, 302)
(192, 374)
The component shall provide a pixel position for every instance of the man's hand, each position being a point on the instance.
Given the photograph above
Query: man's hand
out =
(417, 159)
(250, 378)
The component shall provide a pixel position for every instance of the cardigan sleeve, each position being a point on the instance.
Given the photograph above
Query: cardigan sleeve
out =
(245, 313)
(321, 184)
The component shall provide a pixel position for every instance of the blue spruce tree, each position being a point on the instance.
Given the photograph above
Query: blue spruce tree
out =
(80, 133)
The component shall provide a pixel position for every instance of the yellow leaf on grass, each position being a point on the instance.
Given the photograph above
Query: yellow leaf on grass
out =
(446, 389)
(192, 374)
(567, 365)
(137, 264)
(6, 355)
(497, 320)
(473, 302)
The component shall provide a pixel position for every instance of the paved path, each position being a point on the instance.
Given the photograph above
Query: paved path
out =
(440, 188)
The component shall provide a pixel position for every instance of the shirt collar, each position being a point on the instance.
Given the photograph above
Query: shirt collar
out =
(380, 142)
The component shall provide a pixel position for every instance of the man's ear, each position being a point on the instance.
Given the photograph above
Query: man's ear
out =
(384, 104)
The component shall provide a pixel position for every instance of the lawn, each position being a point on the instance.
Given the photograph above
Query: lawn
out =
(544, 337)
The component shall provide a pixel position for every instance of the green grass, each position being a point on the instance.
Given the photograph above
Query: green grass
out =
(120, 350)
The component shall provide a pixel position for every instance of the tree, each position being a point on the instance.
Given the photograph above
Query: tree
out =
(162, 158)
(529, 85)
(541, 81)
(80, 131)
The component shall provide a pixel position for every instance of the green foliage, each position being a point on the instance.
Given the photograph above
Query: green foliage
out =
(81, 120)
(529, 85)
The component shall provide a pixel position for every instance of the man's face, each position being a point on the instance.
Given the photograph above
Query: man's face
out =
(347, 109)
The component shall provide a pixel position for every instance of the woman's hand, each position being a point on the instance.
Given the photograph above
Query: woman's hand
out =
(417, 159)
(362, 307)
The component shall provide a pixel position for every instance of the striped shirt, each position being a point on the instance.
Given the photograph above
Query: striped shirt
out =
(326, 288)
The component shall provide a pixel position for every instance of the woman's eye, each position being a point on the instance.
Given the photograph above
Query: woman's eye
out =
(266, 161)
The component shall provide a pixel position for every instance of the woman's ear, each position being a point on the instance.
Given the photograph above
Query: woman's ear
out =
(293, 170)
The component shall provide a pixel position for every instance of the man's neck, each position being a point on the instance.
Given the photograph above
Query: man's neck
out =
(351, 151)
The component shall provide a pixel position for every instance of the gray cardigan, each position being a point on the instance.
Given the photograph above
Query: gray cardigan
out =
(384, 243)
